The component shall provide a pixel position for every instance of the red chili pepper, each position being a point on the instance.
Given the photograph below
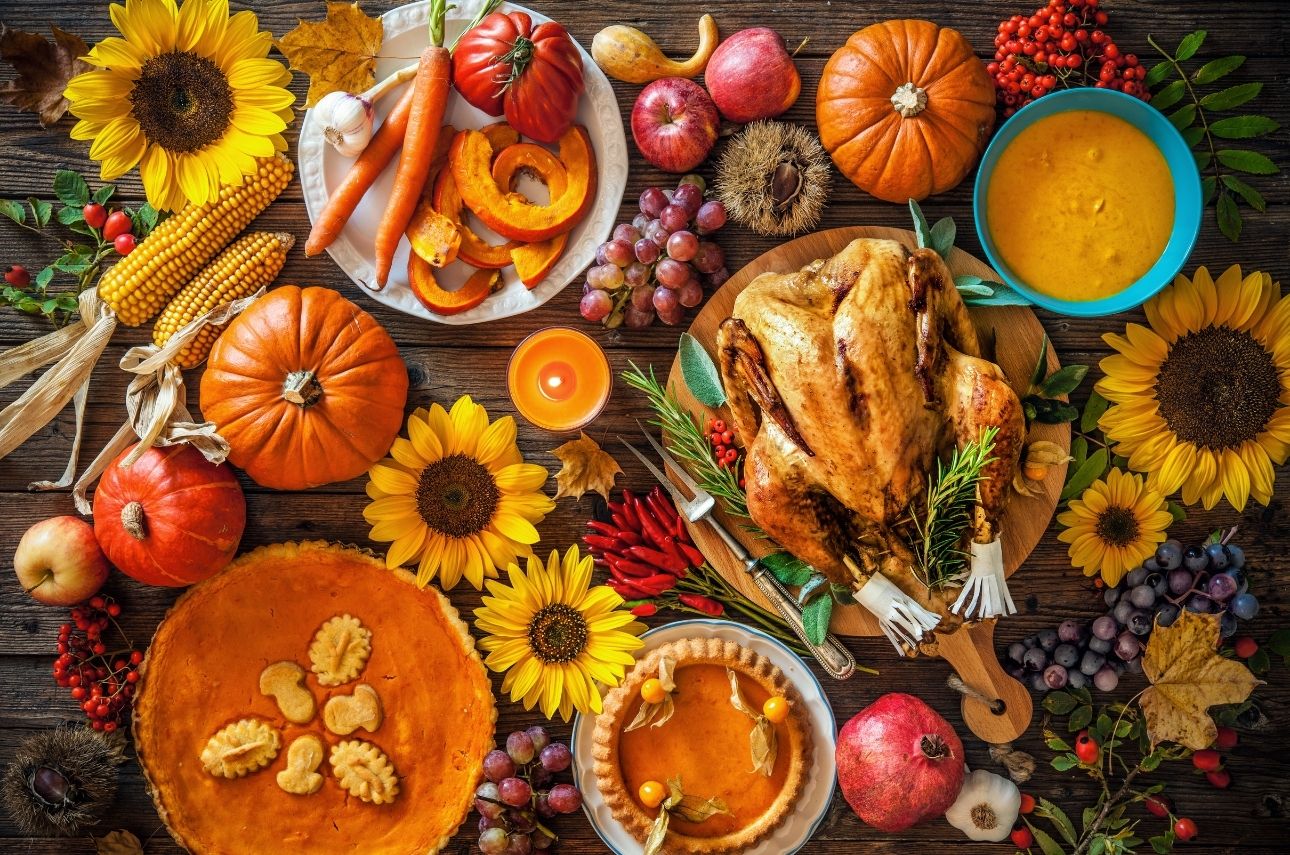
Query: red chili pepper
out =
(659, 583)
(627, 590)
(621, 522)
(630, 511)
(661, 560)
(609, 544)
(682, 533)
(645, 610)
(707, 605)
(671, 548)
(602, 527)
(614, 507)
(630, 538)
(631, 568)
(649, 525)
(694, 555)
(664, 510)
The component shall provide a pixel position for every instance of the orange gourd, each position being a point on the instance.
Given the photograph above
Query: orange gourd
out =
(170, 518)
(307, 388)
(905, 107)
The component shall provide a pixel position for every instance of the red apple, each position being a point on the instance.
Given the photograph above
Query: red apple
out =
(751, 76)
(59, 562)
(674, 124)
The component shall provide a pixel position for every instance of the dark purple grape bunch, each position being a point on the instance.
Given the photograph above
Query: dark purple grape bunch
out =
(1209, 579)
(658, 264)
(520, 792)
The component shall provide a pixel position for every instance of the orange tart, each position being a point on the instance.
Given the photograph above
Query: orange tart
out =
(307, 699)
(699, 741)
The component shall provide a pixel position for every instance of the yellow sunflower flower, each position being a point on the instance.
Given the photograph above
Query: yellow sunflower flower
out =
(1199, 398)
(1114, 526)
(555, 637)
(188, 95)
(455, 497)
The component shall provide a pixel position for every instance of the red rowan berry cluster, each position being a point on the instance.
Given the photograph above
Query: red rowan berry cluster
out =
(102, 681)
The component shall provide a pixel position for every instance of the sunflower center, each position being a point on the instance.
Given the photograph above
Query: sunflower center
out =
(182, 101)
(557, 633)
(1218, 387)
(457, 496)
(1117, 526)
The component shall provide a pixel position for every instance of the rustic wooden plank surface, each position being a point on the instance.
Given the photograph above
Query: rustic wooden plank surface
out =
(1248, 818)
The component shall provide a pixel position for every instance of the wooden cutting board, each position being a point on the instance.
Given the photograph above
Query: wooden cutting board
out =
(1017, 336)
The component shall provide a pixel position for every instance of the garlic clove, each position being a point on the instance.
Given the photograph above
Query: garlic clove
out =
(346, 122)
(987, 807)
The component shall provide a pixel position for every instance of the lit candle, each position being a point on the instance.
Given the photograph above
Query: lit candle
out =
(559, 379)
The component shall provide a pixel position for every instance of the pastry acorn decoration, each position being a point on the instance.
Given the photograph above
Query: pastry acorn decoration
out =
(774, 178)
(61, 781)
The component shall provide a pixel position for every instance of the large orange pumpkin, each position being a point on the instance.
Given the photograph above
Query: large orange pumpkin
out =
(170, 518)
(306, 387)
(905, 108)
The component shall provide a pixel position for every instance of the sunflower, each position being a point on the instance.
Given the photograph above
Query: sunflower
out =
(1114, 526)
(555, 637)
(456, 497)
(188, 95)
(1199, 397)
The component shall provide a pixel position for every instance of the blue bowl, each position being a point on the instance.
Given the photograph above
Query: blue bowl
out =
(1188, 203)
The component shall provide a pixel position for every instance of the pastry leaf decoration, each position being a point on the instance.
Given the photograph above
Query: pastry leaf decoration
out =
(700, 373)
(657, 715)
(241, 748)
(761, 739)
(688, 808)
(1188, 676)
(586, 468)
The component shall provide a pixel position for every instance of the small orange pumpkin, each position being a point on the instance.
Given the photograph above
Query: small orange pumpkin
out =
(307, 388)
(905, 107)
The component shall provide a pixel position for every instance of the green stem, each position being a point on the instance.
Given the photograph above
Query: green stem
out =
(1215, 166)
(484, 11)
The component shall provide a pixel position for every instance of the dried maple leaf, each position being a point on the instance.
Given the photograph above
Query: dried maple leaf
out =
(1188, 676)
(43, 68)
(338, 54)
(118, 843)
(587, 469)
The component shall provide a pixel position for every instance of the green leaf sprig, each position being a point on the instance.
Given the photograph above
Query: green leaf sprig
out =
(81, 261)
(975, 290)
(1172, 84)
(1042, 401)
(951, 493)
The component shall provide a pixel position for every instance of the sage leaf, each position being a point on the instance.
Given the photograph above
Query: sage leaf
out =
(1064, 381)
(1040, 371)
(1183, 117)
(1242, 127)
(71, 189)
(1244, 160)
(1216, 68)
(816, 586)
(942, 237)
(921, 230)
(1229, 218)
(1231, 97)
(13, 210)
(700, 372)
(788, 569)
(1189, 45)
(815, 617)
(1158, 73)
(1169, 96)
(1002, 296)
(1252, 197)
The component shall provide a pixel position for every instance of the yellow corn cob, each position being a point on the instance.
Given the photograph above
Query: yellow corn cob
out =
(252, 261)
(139, 285)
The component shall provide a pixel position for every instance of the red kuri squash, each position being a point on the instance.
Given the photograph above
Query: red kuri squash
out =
(171, 518)
(306, 387)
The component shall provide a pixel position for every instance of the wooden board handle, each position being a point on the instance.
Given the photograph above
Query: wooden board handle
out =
(970, 651)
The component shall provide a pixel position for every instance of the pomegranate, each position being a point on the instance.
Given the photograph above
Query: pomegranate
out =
(899, 763)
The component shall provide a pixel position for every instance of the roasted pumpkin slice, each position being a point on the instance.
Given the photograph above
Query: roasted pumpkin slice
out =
(473, 249)
(476, 290)
(533, 261)
(510, 214)
(434, 237)
(500, 136)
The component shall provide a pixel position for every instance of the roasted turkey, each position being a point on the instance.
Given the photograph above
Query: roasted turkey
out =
(849, 379)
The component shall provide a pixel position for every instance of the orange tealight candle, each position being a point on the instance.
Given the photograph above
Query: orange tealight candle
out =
(559, 379)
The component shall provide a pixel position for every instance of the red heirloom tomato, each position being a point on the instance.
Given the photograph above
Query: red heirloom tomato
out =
(532, 74)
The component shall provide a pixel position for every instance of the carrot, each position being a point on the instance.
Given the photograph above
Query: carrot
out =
(361, 176)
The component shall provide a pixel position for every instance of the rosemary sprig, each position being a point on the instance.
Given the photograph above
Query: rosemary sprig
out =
(951, 493)
(684, 437)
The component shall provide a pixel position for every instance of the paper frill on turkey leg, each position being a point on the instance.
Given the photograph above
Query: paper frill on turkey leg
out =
(900, 617)
(985, 593)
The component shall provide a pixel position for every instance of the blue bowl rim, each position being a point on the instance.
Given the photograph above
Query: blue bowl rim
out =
(1187, 217)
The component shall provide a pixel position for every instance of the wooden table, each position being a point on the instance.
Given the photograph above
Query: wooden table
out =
(444, 362)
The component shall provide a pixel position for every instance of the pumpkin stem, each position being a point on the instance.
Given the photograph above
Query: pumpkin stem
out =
(302, 388)
(132, 520)
(909, 100)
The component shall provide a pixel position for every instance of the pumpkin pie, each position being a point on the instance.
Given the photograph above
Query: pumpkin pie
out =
(307, 699)
(703, 744)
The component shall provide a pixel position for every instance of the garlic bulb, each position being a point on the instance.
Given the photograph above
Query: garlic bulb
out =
(986, 808)
(346, 121)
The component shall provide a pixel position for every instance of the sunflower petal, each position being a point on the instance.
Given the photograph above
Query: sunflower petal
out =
(393, 481)
(1236, 479)
(497, 439)
(520, 478)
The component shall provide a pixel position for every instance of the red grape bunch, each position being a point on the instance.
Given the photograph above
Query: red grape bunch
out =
(519, 793)
(658, 263)
(1063, 44)
(102, 681)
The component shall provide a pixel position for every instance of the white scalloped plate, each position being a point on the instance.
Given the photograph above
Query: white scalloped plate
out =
(812, 807)
(321, 169)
